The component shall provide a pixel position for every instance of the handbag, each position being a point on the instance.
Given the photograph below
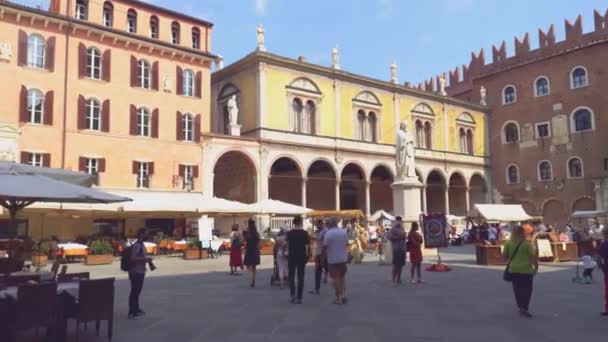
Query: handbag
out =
(508, 276)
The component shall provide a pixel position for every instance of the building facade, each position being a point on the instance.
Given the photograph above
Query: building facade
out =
(546, 125)
(119, 89)
(324, 138)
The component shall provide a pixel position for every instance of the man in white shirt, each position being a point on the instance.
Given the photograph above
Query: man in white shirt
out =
(335, 246)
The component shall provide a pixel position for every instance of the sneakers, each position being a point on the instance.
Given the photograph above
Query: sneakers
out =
(132, 316)
(314, 292)
(292, 300)
(298, 301)
(140, 313)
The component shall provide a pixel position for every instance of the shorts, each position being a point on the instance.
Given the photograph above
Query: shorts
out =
(321, 260)
(399, 258)
(337, 270)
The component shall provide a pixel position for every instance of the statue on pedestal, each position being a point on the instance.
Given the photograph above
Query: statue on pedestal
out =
(335, 58)
(260, 38)
(394, 78)
(442, 83)
(405, 162)
(483, 96)
(233, 111)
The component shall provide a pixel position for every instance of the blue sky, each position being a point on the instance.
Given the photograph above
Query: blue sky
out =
(424, 37)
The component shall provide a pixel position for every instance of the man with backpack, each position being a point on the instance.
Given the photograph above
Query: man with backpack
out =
(136, 259)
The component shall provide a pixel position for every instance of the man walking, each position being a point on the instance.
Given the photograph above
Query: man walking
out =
(603, 263)
(335, 245)
(137, 272)
(298, 247)
(320, 260)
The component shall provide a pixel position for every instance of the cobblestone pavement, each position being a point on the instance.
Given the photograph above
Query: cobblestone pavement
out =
(199, 301)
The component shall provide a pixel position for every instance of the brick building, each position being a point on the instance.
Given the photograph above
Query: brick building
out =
(547, 124)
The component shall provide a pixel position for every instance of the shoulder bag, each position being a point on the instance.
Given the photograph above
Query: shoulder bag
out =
(508, 276)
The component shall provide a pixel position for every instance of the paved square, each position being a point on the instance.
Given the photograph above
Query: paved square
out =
(199, 301)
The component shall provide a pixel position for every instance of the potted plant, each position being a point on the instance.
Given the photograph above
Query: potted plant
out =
(193, 252)
(100, 253)
(40, 254)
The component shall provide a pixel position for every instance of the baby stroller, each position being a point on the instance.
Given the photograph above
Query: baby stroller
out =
(274, 277)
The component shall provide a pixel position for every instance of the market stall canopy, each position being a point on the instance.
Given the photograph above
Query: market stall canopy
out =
(381, 214)
(274, 207)
(501, 212)
(77, 178)
(354, 213)
(589, 214)
(214, 206)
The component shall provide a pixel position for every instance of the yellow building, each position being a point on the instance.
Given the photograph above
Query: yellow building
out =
(324, 138)
(117, 88)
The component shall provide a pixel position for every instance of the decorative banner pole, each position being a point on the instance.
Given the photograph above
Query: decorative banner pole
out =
(434, 227)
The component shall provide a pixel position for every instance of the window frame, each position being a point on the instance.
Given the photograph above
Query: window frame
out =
(92, 166)
(188, 177)
(144, 122)
(508, 175)
(132, 21)
(535, 85)
(91, 67)
(144, 76)
(92, 117)
(107, 16)
(175, 33)
(154, 27)
(573, 84)
(188, 83)
(196, 38)
(298, 113)
(31, 108)
(540, 173)
(36, 159)
(504, 94)
(505, 135)
(573, 129)
(143, 175)
(36, 49)
(569, 171)
(188, 127)
(81, 10)
(538, 125)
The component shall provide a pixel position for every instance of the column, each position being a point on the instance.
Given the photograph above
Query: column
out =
(367, 199)
(337, 194)
(423, 199)
(468, 199)
(447, 200)
(304, 192)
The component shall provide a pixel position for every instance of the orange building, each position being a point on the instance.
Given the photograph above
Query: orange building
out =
(118, 88)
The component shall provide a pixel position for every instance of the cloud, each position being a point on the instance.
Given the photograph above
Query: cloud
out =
(261, 6)
(458, 5)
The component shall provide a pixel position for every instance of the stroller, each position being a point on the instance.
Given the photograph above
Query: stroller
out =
(274, 277)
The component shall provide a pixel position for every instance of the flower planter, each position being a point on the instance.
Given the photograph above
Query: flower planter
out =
(101, 259)
(267, 248)
(192, 254)
(40, 260)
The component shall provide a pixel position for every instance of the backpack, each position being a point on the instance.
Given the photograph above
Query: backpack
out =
(125, 259)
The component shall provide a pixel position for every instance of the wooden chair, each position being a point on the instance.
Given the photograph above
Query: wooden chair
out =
(95, 304)
(70, 277)
(36, 306)
(22, 279)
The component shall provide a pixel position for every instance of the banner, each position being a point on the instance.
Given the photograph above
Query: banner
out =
(434, 228)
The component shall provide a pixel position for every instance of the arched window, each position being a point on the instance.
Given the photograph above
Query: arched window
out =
(35, 105)
(143, 122)
(462, 134)
(93, 63)
(512, 174)
(296, 106)
(470, 144)
(81, 9)
(428, 135)
(582, 120)
(188, 124)
(373, 126)
(541, 86)
(36, 51)
(154, 27)
(419, 134)
(131, 21)
(361, 118)
(143, 73)
(188, 82)
(511, 133)
(196, 38)
(93, 114)
(578, 77)
(509, 95)
(175, 33)
(309, 117)
(545, 171)
(575, 168)
(108, 14)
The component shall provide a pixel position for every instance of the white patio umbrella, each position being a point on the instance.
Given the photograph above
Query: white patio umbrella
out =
(270, 207)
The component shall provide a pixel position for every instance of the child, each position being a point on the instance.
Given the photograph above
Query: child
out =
(588, 266)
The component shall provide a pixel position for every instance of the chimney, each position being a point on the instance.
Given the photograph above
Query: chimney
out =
(301, 59)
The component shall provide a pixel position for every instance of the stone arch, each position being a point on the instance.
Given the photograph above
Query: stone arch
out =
(304, 84)
(352, 187)
(367, 97)
(458, 194)
(380, 191)
(321, 183)
(435, 192)
(583, 203)
(235, 177)
(285, 181)
(554, 212)
(478, 190)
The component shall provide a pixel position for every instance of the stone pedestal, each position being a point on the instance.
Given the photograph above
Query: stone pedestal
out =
(406, 199)
(235, 130)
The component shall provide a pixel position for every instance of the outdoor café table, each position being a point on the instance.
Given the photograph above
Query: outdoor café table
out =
(44, 276)
(67, 294)
(180, 245)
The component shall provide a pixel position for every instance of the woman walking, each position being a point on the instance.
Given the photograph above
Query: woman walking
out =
(522, 266)
(415, 248)
(397, 237)
(252, 250)
(236, 258)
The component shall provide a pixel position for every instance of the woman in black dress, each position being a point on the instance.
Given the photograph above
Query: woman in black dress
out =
(252, 250)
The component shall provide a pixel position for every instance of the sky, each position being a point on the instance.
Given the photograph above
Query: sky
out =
(424, 37)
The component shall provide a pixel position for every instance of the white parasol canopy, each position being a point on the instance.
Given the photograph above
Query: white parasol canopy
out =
(589, 214)
(502, 212)
(275, 207)
(381, 214)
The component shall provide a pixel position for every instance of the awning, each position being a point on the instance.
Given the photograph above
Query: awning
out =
(502, 212)
(589, 214)
(274, 207)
